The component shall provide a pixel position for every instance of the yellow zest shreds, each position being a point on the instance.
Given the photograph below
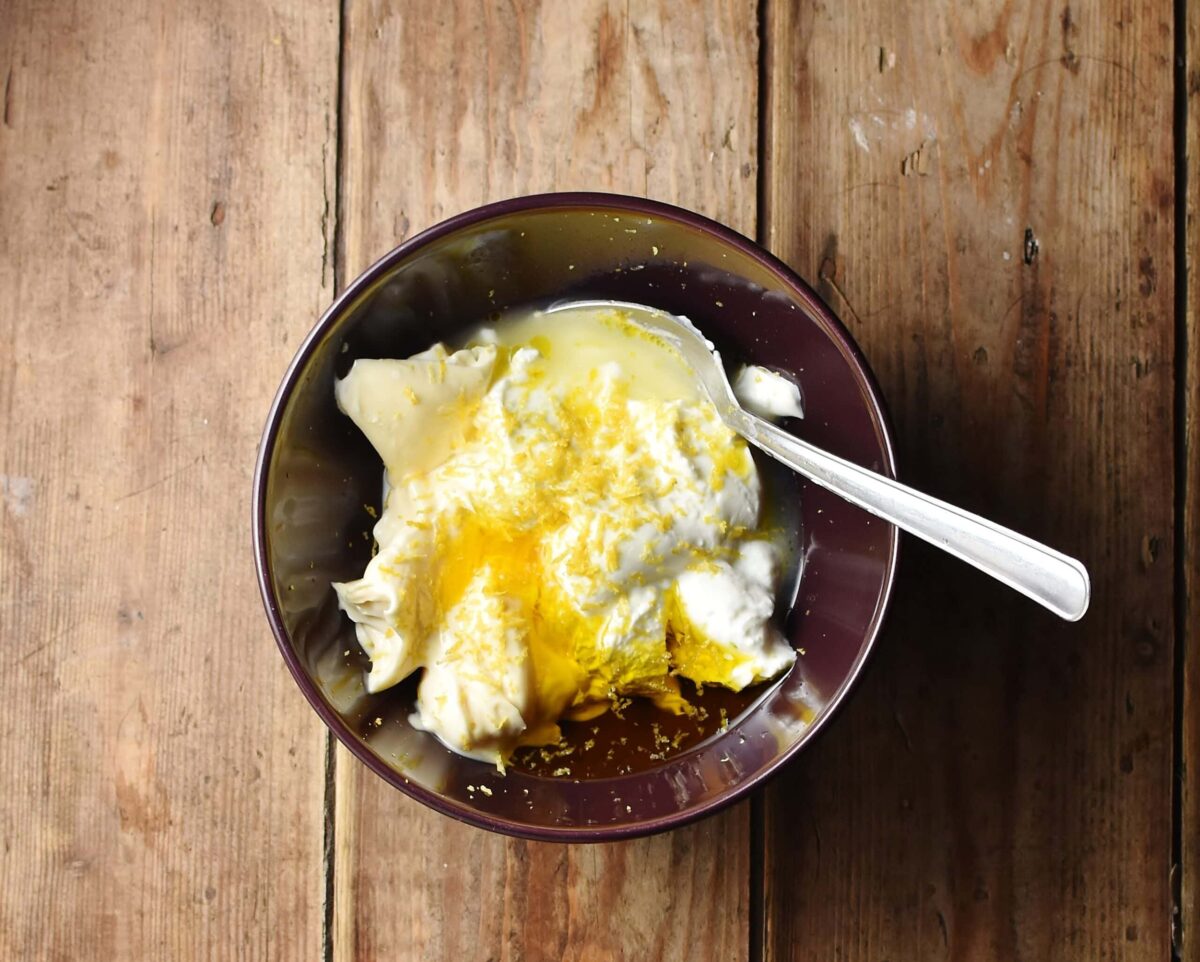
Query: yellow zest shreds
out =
(704, 661)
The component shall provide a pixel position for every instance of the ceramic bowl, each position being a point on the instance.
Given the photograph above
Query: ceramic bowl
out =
(317, 480)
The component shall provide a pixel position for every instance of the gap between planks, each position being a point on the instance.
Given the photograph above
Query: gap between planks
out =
(336, 241)
(1184, 809)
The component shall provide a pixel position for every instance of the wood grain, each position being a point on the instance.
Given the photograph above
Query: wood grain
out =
(447, 106)
(163, 234)
(1188, 934)
(984, 192)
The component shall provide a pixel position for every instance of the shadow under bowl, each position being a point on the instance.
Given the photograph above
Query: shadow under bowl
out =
(317, 476)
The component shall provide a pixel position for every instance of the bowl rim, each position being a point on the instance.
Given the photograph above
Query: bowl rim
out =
(623, 203)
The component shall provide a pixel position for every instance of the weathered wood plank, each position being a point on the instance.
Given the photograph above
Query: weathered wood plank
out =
(985, 194)
(163, 230)
(447, 106)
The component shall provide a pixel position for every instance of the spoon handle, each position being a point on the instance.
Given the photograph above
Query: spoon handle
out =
(1047, 576)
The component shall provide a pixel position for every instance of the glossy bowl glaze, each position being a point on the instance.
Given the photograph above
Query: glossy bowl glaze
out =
(316, 478)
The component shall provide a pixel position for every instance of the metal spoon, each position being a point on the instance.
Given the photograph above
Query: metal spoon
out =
(1049, 577)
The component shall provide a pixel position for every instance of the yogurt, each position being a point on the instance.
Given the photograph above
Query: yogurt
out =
(567, 522)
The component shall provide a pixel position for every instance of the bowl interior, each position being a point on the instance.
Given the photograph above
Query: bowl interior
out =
(318, 477)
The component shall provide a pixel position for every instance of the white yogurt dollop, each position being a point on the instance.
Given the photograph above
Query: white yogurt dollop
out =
(767, 394)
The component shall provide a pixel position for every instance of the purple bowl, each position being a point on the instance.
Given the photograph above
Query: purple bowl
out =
(316, 475)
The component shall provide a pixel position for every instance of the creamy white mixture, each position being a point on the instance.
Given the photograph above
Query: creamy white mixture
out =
(566, 521)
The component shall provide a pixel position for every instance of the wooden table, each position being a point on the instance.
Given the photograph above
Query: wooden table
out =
(991, 195)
